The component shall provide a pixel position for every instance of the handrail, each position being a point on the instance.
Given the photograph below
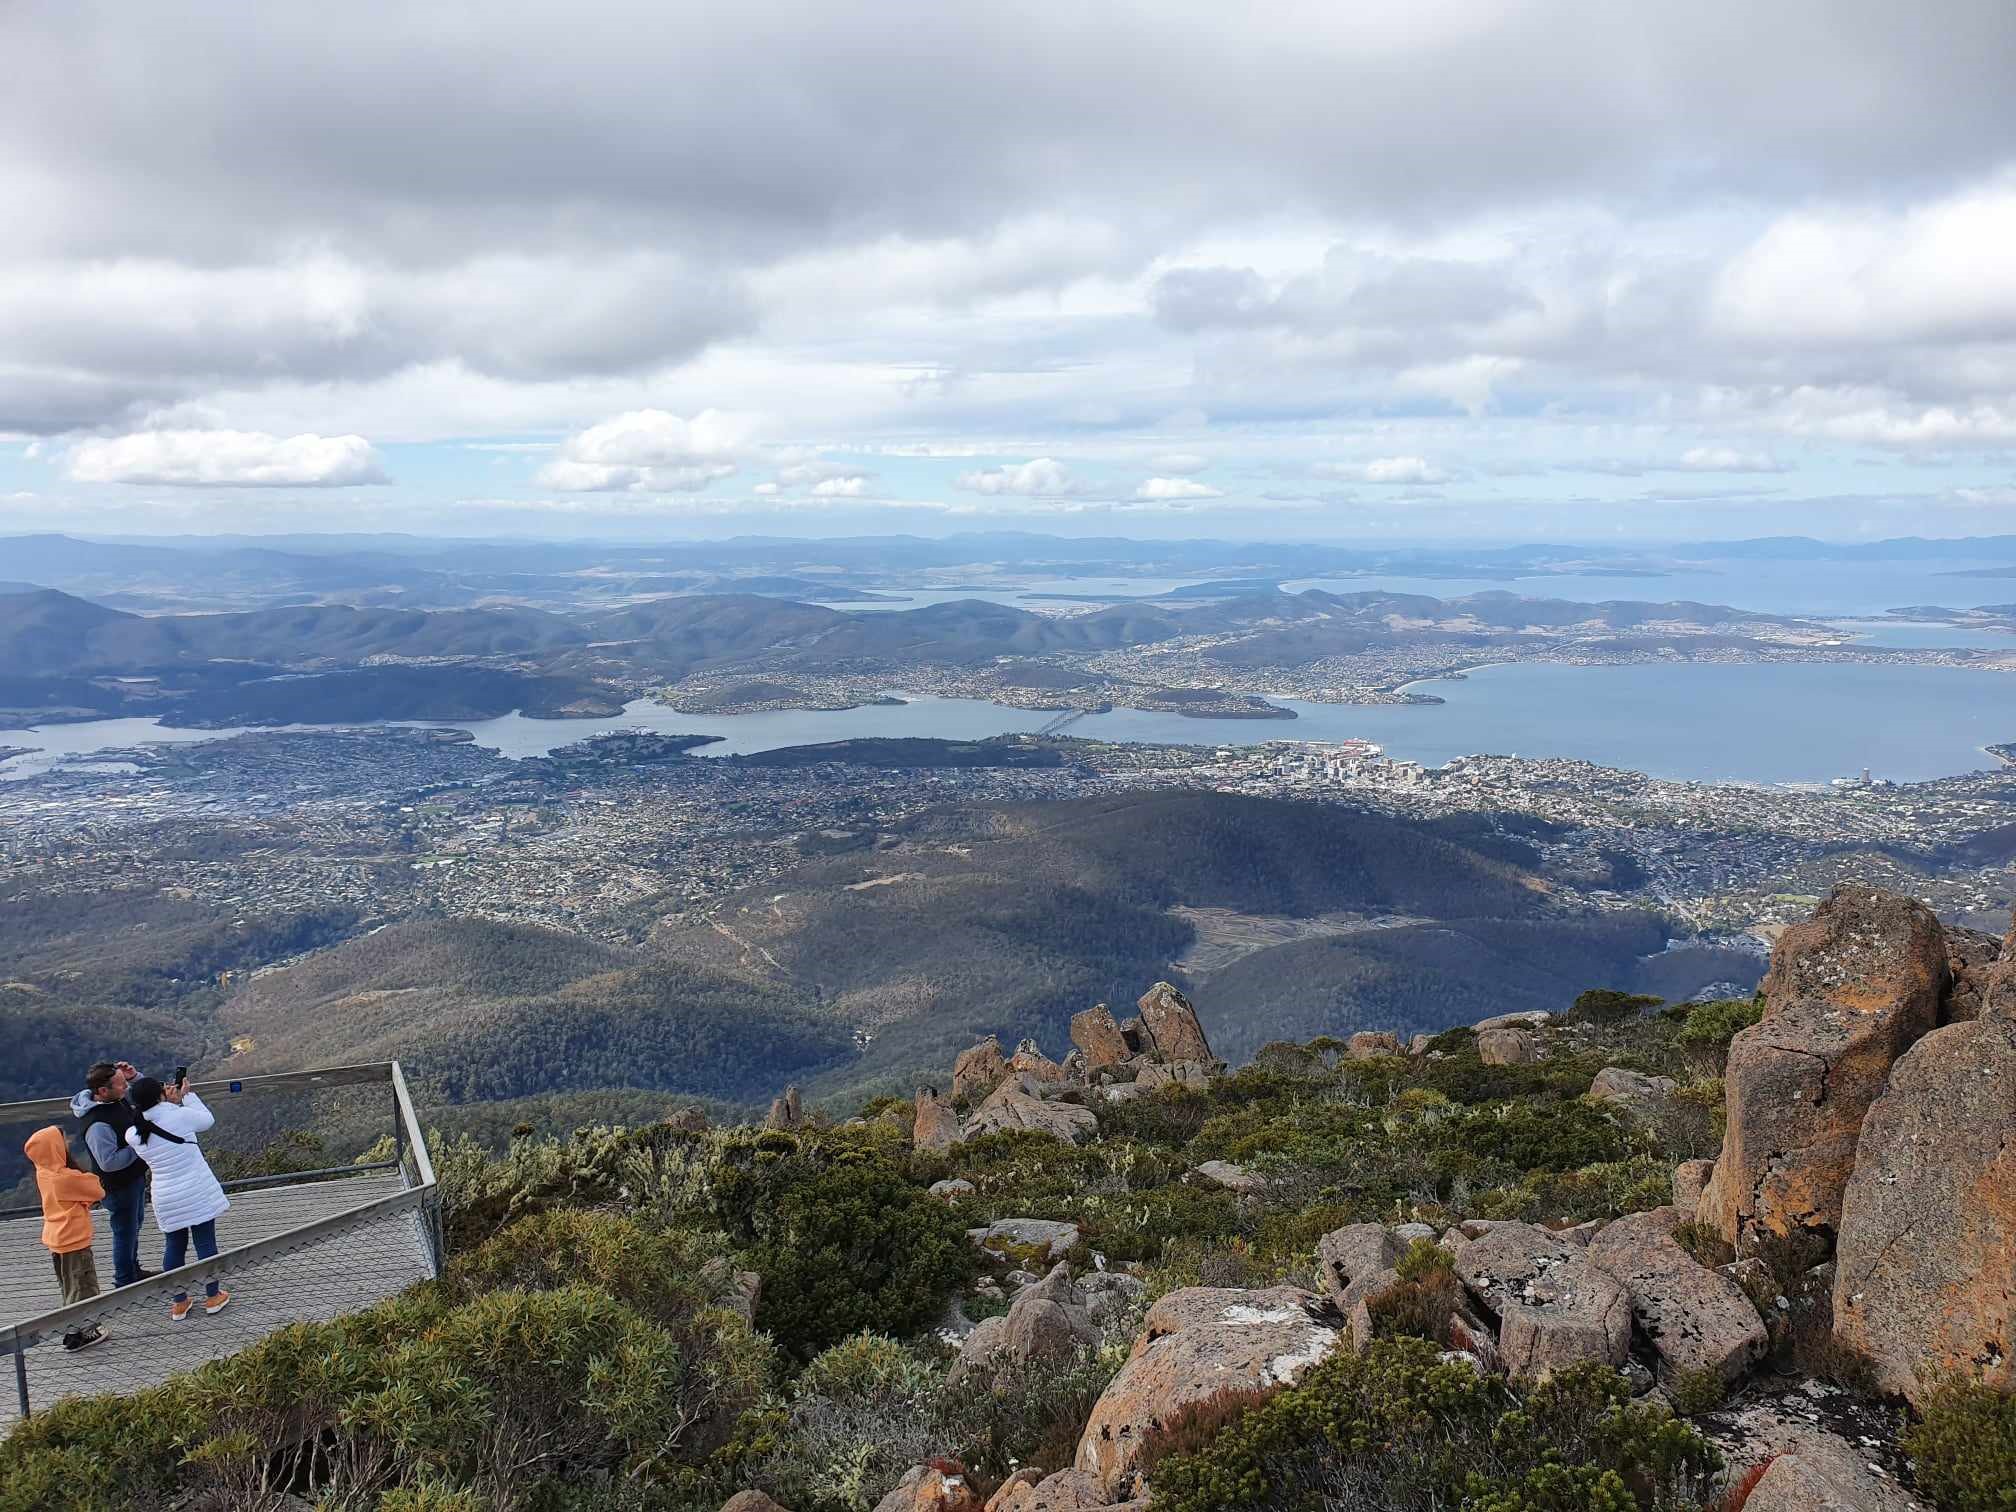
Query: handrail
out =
(232, 1086)
(31, 1331)
(420, 1197)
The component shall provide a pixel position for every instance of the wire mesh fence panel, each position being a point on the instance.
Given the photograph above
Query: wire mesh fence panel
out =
(333, 1206)
(294, 1276)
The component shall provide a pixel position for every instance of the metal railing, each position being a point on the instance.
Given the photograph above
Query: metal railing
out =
(329, 1257)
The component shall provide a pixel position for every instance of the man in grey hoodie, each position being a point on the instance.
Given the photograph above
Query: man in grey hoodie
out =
(104, 1115)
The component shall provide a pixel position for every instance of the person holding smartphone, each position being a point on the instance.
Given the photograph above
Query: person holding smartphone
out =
(187, 1198)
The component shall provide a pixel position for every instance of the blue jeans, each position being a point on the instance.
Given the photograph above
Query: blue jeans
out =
(124, 1205)
(176, 1250)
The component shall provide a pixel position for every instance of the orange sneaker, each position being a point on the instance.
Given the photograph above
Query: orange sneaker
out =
(217, 1304)
(179, 1311)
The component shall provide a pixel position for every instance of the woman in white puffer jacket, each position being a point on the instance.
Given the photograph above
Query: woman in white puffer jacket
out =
(187, 1199)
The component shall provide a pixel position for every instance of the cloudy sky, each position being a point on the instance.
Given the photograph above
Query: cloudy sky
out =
(1444, 269)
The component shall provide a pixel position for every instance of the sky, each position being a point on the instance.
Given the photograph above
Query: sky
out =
(1448, 270)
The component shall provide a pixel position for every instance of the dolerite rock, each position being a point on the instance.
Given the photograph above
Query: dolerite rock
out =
(1847, 993)
(1233, 1178)
(979, 1070)
(1006, 1235)
(1175, 1073)
(1553, 1307)
(1356, 1263)
(1925, 1272)
(1098, 1034)
(1019, 1104)
(936, 1126)
(1029, 1060)
(939, 1486)
(1032, 1491)
(1645, 1098)
(955, 1186)
(1371, 1044)
(1047, 1321)
(1108, 1294)
(1170, 1029)
(1971, 959)
(1696, 1318)
(1194, 1344)
(1530, 1020)
(1508, 1047)
(1813, 1467)
(750, 1501)
(1419, 1044)
(1799, 1483)
(1690, 1180)
(786, 1112)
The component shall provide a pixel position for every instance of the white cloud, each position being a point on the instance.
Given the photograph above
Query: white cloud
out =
(226, 459)
(1383, 470)
(851, 487)
(650, 451)
(1176, 488)
(1041, 478)
(1726, 459)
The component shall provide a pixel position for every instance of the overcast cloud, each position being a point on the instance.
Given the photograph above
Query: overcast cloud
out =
(1442, 269)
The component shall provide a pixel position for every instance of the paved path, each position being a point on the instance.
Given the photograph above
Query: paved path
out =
(322, 1280)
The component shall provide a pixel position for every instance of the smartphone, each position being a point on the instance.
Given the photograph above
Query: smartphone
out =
(181, 1075)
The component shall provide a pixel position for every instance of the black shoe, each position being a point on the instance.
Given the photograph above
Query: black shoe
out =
(82, 1341)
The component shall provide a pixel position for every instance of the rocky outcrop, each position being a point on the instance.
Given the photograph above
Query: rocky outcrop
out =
(938, 1486)
(751, 1501)
(1233, 1178)
(1356, 1263)
(1047, 1321)
(1972, 956)
(1066, 1491)
(936, 1126)
(1925, 1271)
(1695, 1318)
(950, 1188)
(1370, 1044)
(1645, 1099)
(1048, 1237)
(1690, 1180)
(1847, 993)
(1194, 1344)
(1809, 1465)
(1530, 1020)
(786, 1112)
(1174, 1073)
(1509, 1047)
(1029, 1060)
(979, 1070)
(1098, 1034)
(1170, 1030)
(1019, 1104)
(1553, 1307)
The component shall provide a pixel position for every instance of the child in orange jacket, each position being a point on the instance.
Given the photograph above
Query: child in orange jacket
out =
(68, 1196)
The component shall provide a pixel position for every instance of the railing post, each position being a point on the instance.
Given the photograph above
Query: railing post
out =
(21, 1371)
(398, 1131)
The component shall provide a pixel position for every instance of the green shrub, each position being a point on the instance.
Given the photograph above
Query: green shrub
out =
(1419, 1305)
(1604, 1005)
(1963, 1451)
(843, 1242)
(1693, 1392)
(1709, 1027)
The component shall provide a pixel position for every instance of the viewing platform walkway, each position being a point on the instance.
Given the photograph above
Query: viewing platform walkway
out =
(294, 1247)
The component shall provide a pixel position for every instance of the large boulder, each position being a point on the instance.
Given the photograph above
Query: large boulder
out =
(750, 1501)
(937, 1486)
(1047, 1239)
(1098, 1034)
(1175, 1074)
(1847, 993)
(1018, 1103)
(786, 1112)
(1371, 1044)
(1972, 956)
(1690, 1180)
(1047, 1321)
(1066, 1491)
(1170, 1029)
(1195, 1343)
(1356, 1263)
(1532, 1019)
(1697, 1319)
(1553, 1307)
(1810, 1466)
(979, 1070)
(1029, 1060)
(1645, 1099)
(1233, 1178)
(1925, 1272)
(1509, 1047)
(936, 1126)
